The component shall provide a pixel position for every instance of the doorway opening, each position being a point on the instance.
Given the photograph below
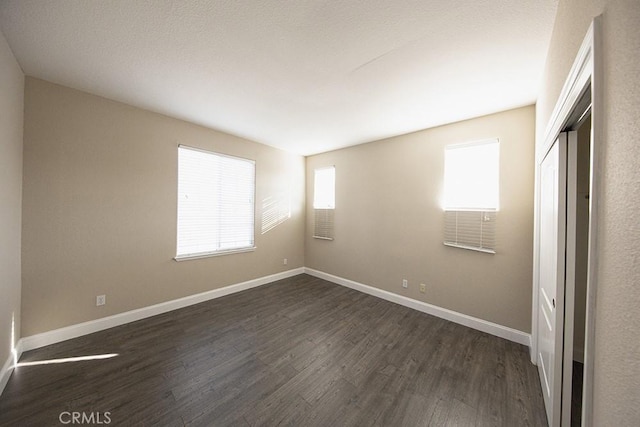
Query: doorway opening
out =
(577, 259)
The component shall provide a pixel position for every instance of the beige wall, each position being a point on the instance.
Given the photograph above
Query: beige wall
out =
(99, 212)
(389, 220)
(617, 343)
(11, 115)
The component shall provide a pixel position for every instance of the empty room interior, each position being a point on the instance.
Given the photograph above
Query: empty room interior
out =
(320, 213)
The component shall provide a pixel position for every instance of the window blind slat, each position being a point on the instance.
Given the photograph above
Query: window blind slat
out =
(471, 229)
(323, 223)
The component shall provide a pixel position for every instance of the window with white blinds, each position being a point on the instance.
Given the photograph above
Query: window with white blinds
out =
(471, 194)
(324, 188)
(324, 202)
(215, 203)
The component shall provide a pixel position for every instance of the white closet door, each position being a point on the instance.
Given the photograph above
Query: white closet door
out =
(551, 276)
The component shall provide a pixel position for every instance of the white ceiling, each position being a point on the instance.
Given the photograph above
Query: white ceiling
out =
(303, 75)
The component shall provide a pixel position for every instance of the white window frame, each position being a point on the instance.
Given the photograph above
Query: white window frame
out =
(462, 228)
(215, 246)
(323, 196)
(472, 177)
(324, 202)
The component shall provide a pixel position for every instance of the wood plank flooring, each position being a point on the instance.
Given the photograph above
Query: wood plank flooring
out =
(300, 352)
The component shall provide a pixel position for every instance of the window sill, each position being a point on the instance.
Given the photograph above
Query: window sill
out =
(188, 257)
(471, 248)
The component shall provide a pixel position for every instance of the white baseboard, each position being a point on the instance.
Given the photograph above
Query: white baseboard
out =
(453, 316)
(73, 331)
(7, 368)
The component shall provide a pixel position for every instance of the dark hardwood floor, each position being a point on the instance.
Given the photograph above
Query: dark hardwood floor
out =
(576, 394)
(301, 352)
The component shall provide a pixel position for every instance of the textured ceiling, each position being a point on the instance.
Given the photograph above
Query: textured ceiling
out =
(306, 76)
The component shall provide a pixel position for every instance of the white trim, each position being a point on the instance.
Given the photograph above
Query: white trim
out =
(216, 153)
(73, 331)
(570, 275)
(472, 143)
(579, 76)
(471, 248)
(187, 257)
(533, 353)
(7, 368)
(443, 313)
(597, 146)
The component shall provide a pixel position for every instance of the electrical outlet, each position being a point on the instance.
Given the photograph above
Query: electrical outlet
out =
(423, 288)
(284, 262)
(405, 283)
(101, 300)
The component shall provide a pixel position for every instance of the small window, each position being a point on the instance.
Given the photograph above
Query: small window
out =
(471, 194)
(471, 174)
(324, 203)
(215, 203)
(324, 188)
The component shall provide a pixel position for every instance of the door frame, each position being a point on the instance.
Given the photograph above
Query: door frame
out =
(570, 276)
(585, 74)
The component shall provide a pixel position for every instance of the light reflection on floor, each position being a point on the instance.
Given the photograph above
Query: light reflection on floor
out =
(66, 360)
